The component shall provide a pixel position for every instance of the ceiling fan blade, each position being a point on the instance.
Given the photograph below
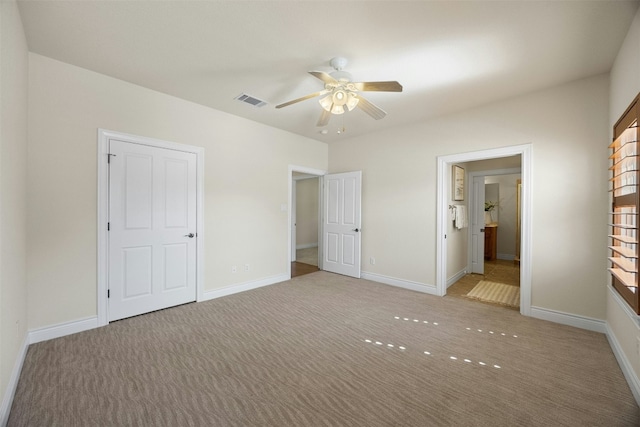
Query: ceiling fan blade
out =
(324, 118)
(379, 86)
(369, 108)
(325, 77)
(304, 98)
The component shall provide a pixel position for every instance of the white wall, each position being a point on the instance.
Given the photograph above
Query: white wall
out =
(506, 214)
(13, 170)
(246, 182)
(307, 211)
(625, 85)
(566, 126)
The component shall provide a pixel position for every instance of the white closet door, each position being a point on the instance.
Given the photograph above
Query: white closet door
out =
(152, 217)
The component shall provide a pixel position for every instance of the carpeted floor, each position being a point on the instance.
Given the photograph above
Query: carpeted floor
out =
(326, 350)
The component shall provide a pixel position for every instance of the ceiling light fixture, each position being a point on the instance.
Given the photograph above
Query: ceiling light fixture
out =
(336, 102)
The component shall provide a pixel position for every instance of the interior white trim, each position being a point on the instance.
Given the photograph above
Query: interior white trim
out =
(625, 364)
(459, 275)
(400, 283)
(624, 306)
(241, 287)
(12, 385)
(62, 329)
(310, 173)
(103, 211)
(443, 169)
(582, 322)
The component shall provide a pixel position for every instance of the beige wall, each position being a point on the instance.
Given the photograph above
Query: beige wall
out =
(246, 182)
(307, 212)
(625, 85)
(13, 169)
(566, 126)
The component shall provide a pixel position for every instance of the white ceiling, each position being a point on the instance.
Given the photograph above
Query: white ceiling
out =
(448, 55)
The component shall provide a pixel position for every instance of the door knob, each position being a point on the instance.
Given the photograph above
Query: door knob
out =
(190, 235)
(482, 230)
(356, 230)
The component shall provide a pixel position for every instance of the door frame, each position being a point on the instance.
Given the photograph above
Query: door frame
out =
(442, 196)
(472, 175)
(103, 211)
(290, 247)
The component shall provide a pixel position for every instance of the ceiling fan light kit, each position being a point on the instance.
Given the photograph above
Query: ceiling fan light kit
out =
(341, 93)
(337, 102)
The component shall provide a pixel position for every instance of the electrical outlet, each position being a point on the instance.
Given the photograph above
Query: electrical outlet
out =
(372, 261)
(246, 267)
(234, 269)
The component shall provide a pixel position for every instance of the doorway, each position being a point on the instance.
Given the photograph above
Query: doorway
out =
(304, 186)
(445, 164)
(339, 228)
(305, 227)
(492, 273)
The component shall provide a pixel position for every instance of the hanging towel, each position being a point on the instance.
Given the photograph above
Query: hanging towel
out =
(460, 219)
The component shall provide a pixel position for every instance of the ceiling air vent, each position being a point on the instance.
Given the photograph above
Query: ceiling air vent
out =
(247, 99)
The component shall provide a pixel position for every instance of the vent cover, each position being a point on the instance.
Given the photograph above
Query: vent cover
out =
(248, 99)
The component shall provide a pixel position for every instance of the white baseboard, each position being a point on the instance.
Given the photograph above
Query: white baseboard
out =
(459, 275)
(568, 319)
(307, 246)
(401, 283)
(234, 289)
(625, 365)
(506, 257)
(10, 392)
(62, 329)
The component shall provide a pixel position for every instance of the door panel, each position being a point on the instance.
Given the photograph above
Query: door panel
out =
(348, 250)
(176, 175)
(349, 201)
(341, 224)
(137, 271)
(477, 225)
(176, 266)
(152, 211)
(138, 178)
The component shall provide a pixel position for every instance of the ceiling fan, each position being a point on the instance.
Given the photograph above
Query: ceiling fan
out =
(342, 94)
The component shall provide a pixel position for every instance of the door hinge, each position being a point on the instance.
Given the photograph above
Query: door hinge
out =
(108, 293)
(108, 226)
(109, 155)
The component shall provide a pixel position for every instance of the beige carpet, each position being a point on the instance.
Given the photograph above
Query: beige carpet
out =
(497, 293)
(326, 350)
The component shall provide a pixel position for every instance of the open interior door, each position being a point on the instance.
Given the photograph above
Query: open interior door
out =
(341, 229)
(477, 225)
